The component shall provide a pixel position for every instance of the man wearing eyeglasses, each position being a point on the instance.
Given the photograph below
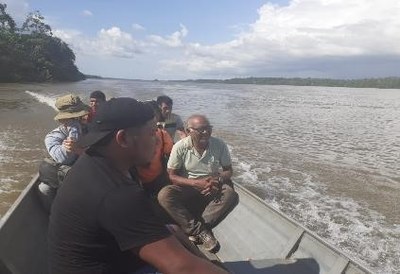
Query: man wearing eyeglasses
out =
(201, 194)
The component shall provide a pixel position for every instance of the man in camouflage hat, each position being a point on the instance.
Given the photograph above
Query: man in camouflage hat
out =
(61, 145)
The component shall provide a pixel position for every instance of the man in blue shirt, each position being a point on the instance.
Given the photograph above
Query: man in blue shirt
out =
(61, 144)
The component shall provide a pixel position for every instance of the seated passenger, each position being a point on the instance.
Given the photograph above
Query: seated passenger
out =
(172, 122)
(96, 98)
(154, 174)
(202, 193)
(102, 221)
(61, 146)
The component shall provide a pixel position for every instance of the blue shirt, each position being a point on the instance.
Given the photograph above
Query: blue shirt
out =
(55, 138)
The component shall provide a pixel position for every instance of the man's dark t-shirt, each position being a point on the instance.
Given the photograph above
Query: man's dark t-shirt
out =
(97, 217)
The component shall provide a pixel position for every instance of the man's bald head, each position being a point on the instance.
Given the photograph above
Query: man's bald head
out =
(195, 119)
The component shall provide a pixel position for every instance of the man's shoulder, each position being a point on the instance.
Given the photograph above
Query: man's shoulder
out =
(55, 132)
(217, 141)
(95, 180)
(175, 118)
(89, 170)
(184, 143)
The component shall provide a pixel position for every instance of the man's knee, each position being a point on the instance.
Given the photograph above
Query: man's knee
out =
(167, 194)
(231, 196)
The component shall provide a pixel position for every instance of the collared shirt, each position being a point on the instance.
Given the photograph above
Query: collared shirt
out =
(192, 165)
(54, 142)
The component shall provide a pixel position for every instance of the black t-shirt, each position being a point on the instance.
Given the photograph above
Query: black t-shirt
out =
(97, 216)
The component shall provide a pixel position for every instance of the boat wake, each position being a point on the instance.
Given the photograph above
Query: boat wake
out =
(43, 99)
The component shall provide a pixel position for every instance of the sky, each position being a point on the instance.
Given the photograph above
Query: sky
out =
(220, 39)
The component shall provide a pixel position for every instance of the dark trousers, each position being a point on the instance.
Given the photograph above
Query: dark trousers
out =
(195, 212)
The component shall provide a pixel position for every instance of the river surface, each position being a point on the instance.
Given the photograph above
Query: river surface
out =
(328, 157)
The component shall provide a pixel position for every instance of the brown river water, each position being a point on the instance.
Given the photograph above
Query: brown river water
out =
(328, 157)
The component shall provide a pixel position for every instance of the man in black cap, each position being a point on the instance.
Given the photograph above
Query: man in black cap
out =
(101, 220)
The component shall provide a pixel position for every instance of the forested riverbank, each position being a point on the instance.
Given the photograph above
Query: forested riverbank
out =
(30, 53)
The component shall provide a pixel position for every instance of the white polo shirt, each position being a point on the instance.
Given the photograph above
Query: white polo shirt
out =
(192, 165)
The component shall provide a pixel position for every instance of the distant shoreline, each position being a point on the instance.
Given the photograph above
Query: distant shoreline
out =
(381, 83)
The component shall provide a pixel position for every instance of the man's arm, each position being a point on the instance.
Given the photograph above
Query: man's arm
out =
(54, 146)
(71, 146)
(226, 164)
(170, 257)
(226, 173)
(199, 184)
(128, 215)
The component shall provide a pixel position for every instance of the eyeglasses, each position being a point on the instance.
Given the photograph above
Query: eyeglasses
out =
(202, 130)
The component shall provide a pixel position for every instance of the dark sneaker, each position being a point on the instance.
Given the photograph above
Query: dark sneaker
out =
(209, 242)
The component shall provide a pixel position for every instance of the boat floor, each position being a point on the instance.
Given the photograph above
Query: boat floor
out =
(265, 266)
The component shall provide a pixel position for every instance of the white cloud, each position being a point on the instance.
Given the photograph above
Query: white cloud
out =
(115, 42)
(303, 30)
(67, 36)
(306, 38)
(87, 13)
(174, 40)
(137, 27)
(108, 42)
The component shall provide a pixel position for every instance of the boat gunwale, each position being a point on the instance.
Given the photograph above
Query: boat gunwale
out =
(340, 252)
(16, 203)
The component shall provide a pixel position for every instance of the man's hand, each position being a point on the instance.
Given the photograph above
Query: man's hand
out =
(210, 186)
(72, 147)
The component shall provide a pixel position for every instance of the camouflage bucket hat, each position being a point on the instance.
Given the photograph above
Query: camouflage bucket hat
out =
(70, 106)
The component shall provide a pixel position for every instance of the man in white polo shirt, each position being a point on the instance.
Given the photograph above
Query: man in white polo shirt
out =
(201, 194)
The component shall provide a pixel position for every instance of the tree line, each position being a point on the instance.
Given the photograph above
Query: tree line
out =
(387, 82)
(30, 53)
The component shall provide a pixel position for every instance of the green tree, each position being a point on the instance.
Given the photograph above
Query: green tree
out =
(34, 24)
(6, 21)
(31, 53)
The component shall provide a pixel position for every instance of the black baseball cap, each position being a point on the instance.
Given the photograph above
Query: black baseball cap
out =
(98, 94)
(115, 114)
